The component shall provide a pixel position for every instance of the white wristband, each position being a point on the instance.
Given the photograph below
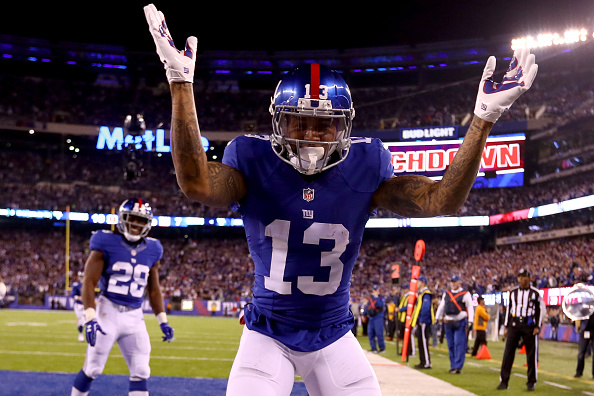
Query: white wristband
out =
(162, 318)
(90, 314)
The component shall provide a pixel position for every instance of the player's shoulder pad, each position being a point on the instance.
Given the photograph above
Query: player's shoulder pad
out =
(368, 145)
(368, 156)
(248, 147)
(248, 138)
(100, 234)
(99, 238)
(155, 242)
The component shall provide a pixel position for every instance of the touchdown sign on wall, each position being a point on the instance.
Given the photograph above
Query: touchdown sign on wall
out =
(502, 164)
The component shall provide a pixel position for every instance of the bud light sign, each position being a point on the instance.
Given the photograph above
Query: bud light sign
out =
(441, 133)
(502, 163)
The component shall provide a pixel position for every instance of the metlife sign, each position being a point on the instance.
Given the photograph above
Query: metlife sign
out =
(114, 139)
(445, 132)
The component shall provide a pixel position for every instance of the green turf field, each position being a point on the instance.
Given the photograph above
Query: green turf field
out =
(555, 375)
(205, 347)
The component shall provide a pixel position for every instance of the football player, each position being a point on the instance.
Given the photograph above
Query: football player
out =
(305, 194)
(78, 307)
(123, 263)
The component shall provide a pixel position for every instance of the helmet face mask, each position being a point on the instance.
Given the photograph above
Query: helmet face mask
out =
(311, 130)
(135, 219)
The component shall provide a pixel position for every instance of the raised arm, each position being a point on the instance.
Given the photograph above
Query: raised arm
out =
(210, 183)
(419, 196)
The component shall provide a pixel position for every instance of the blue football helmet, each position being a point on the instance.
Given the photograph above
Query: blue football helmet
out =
(135, 219)
(312, 115)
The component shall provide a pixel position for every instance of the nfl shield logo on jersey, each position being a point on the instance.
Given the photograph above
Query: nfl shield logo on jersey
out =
(308, 194)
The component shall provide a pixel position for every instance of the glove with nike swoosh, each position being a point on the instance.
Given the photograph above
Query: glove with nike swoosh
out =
(179, 65)
(494, 98)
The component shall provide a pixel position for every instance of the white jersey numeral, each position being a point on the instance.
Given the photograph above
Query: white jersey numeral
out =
(278, 230)
(323, 91)
(138, 275)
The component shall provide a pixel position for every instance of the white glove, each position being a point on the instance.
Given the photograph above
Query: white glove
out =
(495, 98)
(179, 65)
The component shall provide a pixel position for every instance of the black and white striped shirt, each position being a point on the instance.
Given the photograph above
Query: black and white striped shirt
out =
(525, 306)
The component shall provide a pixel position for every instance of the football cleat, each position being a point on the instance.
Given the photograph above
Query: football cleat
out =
(135, 219)
(312, 113)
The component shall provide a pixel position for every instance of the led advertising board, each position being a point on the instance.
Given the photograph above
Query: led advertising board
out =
(502, 164)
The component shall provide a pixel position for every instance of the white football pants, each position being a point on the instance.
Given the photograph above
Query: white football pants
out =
(265, 367)
(79, 311)
(126, 327)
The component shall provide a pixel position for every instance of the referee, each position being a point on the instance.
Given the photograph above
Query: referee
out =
(523, 318)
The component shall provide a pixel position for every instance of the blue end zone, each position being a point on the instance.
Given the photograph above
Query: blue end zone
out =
(28, 383)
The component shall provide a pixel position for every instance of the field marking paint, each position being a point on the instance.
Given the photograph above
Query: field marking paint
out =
(42, 353)
(53, 336)
(557, 385)
(34, 324)
(76, 343)
(587, 393)
(520, 375)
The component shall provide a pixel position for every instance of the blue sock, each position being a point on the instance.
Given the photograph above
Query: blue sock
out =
(82, 382)
(140, 385)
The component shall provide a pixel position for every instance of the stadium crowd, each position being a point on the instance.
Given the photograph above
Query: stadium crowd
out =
(563, 96)
(49, 178)
(93, 184)
(32, 263)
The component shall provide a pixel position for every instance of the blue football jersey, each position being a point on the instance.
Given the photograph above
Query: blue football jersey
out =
(76, 291)
(304, 236)
(127, 267)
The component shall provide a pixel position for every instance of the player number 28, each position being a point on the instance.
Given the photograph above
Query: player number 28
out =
(278, 230)
(128, 279)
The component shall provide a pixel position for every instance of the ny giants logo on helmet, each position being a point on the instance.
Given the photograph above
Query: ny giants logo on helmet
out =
(139, 206)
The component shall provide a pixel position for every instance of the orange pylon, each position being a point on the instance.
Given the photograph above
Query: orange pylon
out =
(483, 352)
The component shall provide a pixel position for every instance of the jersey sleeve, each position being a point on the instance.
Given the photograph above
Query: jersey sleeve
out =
(230, 158)
(97, 241)
(230, 154)
(386, 167)
(159, 250)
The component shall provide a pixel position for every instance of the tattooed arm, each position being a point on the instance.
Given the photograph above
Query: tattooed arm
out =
(211, 183)
(419, 196)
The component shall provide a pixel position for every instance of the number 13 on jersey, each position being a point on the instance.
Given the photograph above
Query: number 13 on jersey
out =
(278, 230)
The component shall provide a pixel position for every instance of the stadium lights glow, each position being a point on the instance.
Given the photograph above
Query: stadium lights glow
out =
(431, 222)
(571, 36)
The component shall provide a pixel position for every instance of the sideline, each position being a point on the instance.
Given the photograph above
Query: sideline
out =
(399, 379)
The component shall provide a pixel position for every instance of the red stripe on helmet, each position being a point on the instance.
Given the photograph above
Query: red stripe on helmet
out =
(315, 81)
